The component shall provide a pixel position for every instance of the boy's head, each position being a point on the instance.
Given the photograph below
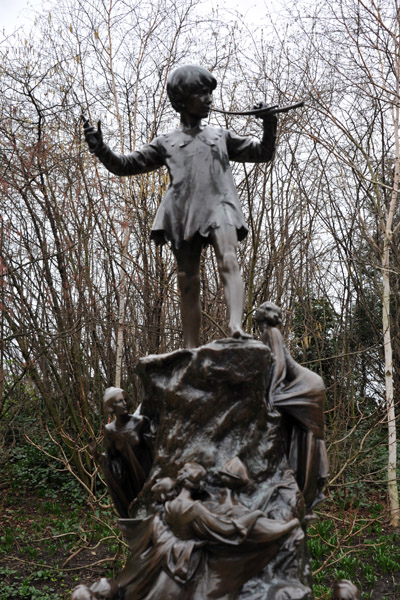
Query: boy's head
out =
(164, 489)
(188, 80)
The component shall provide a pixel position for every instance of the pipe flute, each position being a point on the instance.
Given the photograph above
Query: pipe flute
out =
(257, 112)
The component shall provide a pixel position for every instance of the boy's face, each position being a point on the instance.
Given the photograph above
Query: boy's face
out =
(198, 103)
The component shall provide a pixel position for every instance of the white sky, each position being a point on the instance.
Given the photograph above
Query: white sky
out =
(16, 13)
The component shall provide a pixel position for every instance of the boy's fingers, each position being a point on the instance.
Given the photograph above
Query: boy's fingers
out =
(86, 123)
(263, 106)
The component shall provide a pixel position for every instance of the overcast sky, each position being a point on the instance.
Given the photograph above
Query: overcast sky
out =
(16, 13)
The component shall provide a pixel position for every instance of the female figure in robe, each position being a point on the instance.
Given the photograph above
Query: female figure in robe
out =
(127, 460)
(239, 541)
(299, 393)
(188, 550)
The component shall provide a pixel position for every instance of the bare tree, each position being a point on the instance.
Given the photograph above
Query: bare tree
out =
(352, 73)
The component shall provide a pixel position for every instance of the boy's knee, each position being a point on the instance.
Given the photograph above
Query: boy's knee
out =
(188, 282)
(229, 263)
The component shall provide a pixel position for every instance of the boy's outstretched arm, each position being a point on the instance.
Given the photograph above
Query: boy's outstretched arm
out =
(148, 158)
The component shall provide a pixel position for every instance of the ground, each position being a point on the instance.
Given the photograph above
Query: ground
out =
(48, 545)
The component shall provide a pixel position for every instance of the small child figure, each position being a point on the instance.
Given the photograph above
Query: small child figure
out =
(345, 590)
(201, 204)
(103, 589)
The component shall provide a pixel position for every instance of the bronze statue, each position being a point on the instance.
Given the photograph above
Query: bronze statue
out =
(345, 590)
(104, 589)
(228, 522)
(201, 205)
(202, 547)
(211, 507)
(220, 515)
(82, 592)
(299, 393)
(127, 460)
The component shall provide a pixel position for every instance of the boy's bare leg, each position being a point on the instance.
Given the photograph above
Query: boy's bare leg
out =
(188, 261)
(224, 242)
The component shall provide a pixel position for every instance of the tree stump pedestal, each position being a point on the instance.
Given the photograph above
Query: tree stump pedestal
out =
(220, 515)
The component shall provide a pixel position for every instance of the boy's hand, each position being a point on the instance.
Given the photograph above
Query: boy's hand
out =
(93, 137)
(267, 114)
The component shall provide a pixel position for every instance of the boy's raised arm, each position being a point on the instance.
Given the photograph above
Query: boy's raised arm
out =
(270, 124)
(246, 149)
(93, 137)
(148, 158)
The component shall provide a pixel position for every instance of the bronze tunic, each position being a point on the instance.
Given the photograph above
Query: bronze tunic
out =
(202, 194)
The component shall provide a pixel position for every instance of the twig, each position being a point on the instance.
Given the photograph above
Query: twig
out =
(58, 569)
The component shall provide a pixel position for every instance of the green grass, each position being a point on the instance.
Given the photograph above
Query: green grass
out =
(33, 549)
(357, 546)
(22, 588)
(46, 520)
(52, 521)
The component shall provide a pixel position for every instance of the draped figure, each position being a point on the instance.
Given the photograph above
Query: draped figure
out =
(298, 393)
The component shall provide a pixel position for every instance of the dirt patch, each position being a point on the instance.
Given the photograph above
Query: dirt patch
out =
(48, 546)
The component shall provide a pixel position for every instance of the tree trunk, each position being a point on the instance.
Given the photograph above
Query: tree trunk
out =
(391, 416)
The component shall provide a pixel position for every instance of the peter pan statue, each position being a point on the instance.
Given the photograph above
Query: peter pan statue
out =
(201, 205)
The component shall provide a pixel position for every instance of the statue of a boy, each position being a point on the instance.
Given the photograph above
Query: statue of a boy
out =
(201, 204)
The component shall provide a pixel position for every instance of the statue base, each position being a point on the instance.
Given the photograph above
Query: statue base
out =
(220, 515)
